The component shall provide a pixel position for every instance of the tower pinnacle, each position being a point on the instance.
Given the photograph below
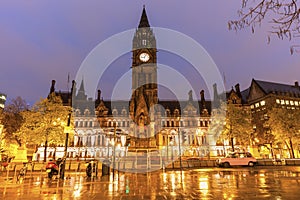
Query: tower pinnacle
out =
(144, 19)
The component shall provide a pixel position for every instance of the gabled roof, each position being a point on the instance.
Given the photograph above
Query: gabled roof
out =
(167, 104)
(65, 96)
(278, 88)
(245, 94)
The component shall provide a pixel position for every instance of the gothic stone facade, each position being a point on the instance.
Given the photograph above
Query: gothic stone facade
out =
(144, 123)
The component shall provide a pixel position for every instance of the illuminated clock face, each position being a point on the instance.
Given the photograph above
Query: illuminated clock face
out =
(144, 57)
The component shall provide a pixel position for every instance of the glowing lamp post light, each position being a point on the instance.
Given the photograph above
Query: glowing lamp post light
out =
(114, 148)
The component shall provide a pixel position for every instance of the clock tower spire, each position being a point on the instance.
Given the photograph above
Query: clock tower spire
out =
(144, 19)
(144, 74)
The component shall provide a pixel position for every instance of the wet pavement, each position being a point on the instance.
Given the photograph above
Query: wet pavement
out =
(210, 183)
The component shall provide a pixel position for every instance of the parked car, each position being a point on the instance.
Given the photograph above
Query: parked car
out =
(237, 159)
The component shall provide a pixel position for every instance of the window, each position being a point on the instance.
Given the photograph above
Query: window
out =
(292, 103)
(282, 102)
(296, 103)
(144, 42)
(287, 102)
(168, 113)
(262, 103)
(252, 106)
(86, 112)
(256, 105)
(277, 101)
(176, 112)
(124, 112)
(115, 112)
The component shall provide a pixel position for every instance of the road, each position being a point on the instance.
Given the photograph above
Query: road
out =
(281, 182)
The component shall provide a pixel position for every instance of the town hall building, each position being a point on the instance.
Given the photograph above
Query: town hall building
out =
(144, 123)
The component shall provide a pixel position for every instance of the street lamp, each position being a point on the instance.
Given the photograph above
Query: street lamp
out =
(67, 129)
(172, 158)
(179, 148)
(114, 147)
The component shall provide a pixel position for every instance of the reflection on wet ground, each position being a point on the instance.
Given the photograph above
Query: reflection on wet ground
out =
(214, 183)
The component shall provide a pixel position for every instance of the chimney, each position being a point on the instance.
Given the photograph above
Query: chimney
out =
(202, 99)
(237, 89)
(99, 95)
(296, 84)
(98, 100)
(202, 95)
(190, 95)
(52, 89)
(215, 92)
(73, 88)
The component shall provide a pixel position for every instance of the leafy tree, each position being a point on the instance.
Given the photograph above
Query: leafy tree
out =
(237, 125)
(45, 122)
(218, 120)
(12, 120)
(283, 15)
(284, 124)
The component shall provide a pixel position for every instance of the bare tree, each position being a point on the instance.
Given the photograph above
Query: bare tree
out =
(283, 15)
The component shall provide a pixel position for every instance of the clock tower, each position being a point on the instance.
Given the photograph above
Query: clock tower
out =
(144, 79)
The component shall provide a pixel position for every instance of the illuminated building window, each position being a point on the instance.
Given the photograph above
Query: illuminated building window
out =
(282, 102)
(278, 101)
(262, 103)
(292, 103)
(256, 105)
(252, 106)
(287, 102)
(296, 103)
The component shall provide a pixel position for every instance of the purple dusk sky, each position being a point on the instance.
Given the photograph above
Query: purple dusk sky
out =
(45, 40)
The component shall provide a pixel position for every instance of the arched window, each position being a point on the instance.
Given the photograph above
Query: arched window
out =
(124, 112)
(168, 113)
(86, 112)
(115, 112)
(77, 112)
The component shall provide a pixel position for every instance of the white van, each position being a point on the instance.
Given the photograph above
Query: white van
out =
(237, 159)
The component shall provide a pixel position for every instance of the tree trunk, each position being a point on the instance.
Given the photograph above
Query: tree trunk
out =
(232, 145)
(45, 150)
(289, 146)
(292, 149)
